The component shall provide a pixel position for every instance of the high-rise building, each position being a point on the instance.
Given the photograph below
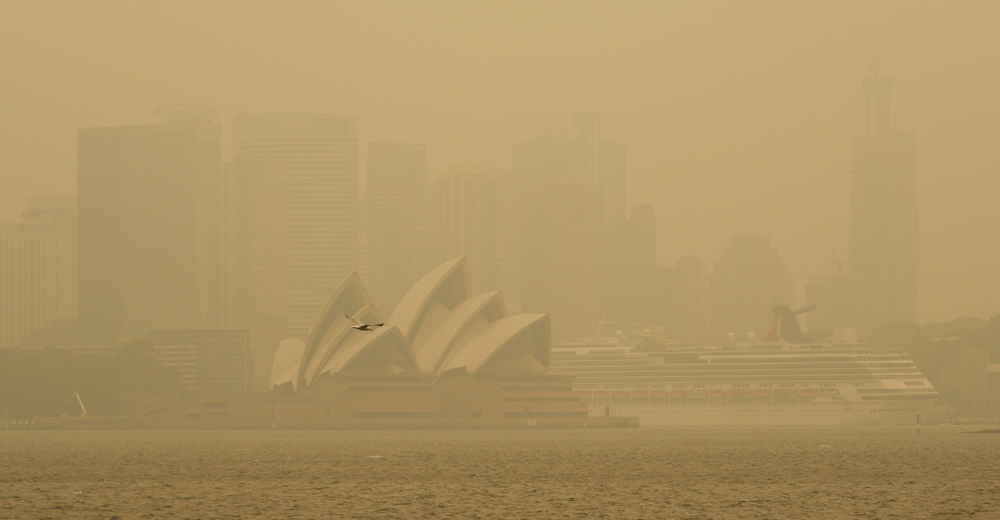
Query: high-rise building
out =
(318, 156)
(467, 219)
(581, 155)
(145, 194)
(686, 306)
(508, 237)
(397, 219)
(748, 281)
(629, 251)
(882, 240)
(38, 268)
(562, 256)
(255, 257)
(830, 294)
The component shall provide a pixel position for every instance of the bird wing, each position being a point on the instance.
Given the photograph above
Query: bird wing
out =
(354, 321)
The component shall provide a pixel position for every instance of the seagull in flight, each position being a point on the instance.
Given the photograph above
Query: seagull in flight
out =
(367, 327)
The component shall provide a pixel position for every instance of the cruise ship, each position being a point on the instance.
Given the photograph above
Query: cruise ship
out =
(784, 380)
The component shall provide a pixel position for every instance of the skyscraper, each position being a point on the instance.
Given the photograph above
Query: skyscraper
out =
(38, 268)
(541, 168)
(144, 193)
(397, 218)
(467, 219)
(748, 281)
(882, 240)
(255, 257)
(582, 154)
(629, 251)
(562, 256)
(686, 300)
(319, 156)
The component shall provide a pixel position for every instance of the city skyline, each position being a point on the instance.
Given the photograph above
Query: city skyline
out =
(735, 149)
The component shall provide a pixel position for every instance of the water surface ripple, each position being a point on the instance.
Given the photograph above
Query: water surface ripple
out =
(647, 473)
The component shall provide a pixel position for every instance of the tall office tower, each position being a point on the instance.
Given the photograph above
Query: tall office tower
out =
(201, 119)
(143, 198)
(580, 155)
(257, 290)
(629, 251)
(508, 238)
(397, 215)
(467, 217)
(686, 301)
(882, 264)
(319, 155)
(38, 268)
(563, 256)
(604, 162)
(748, 281)
(830, 293)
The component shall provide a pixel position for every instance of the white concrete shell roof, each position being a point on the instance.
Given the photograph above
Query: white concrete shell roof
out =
(286, 364)
(338, 338)
(430, 299)
(348, 298)
(458, 326)
(515, 345)
(383, 352)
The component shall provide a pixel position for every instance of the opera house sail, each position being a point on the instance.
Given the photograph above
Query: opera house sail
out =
(443, 359)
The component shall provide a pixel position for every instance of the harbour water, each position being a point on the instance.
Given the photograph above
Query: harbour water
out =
(718, 473)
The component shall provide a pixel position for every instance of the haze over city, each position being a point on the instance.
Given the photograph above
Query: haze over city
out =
(516, 259)
(736, 117)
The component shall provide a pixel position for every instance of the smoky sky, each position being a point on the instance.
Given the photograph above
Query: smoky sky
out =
(737, 116)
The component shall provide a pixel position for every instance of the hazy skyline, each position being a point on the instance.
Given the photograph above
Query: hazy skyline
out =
(737, 118)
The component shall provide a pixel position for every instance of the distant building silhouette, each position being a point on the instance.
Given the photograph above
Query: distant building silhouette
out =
(397, 217)
(830, 294)
(579, 155)
(467, 218)
(685, 294)
(882, 264)
(508, 236)
(208, 361)
(748, 281)
(256, 254)
(38, 260)
(563, 257)
(320, 160)
(629, 251)
(146, 195)
(554, 169)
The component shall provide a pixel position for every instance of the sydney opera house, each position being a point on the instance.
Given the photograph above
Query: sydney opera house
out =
(442, 359)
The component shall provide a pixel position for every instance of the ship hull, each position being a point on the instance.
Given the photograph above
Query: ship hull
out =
(765, 414)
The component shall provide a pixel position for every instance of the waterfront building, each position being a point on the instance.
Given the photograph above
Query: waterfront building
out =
(749, 280)
(38, 263)
(208, 361)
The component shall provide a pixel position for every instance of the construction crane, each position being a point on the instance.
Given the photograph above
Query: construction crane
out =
(836, 261)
